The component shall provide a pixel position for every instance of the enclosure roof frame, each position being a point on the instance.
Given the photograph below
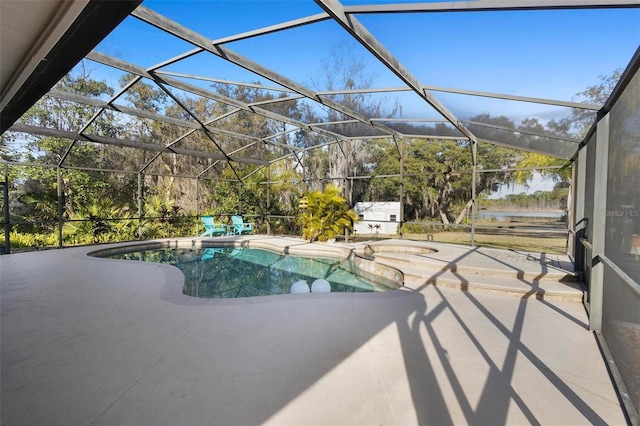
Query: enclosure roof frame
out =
(560, 146)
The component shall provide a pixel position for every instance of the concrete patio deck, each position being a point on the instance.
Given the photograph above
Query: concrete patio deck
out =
(90, 341)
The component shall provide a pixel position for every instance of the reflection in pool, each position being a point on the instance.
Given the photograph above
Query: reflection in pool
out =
(233, 272)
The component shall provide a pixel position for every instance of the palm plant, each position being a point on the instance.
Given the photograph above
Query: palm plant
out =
(43, 208)
(326, 215)
(160, 214)
(374, 227)
(90, 222)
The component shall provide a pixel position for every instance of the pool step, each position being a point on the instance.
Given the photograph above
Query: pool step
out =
(546, 283)
(544, 289)
(541, 273)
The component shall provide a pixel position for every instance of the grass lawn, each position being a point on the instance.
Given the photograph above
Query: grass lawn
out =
(536, 244)
(556, 245)
(527, 234)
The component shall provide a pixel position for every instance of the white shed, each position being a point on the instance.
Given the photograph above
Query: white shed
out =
(383, 213)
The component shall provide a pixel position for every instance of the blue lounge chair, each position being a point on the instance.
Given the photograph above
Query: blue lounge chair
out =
(211, 228)
(239, 227)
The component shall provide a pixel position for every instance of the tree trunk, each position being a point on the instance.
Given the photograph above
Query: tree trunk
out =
(444, 217)
(464, 212)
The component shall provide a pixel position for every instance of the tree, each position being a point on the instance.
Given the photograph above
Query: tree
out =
(574, 126)
(581, 120)
(38, 185)
(345, 71)
(326, 215)
(6, 139)
(438, 184)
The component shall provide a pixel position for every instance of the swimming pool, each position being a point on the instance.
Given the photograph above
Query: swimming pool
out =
(235, 272)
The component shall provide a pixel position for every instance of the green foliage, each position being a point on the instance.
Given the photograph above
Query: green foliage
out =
(35, 188)
(581, 120)
(285, 192)
(43, 208)
(102, 220)
(230, 198)
(436, 188)
(160, 217)
(326, 216)
(532, 159)
(6, 139)
(575, 126)
(33, 240)
(93, 222)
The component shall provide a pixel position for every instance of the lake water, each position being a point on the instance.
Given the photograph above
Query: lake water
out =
(505, 215)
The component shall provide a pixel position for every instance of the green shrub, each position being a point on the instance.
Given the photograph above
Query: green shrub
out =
(418, 228)
(425, 228)
(33, 240)
(326, 215)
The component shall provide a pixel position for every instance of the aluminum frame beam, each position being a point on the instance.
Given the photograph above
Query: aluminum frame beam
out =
(207, 133)
(85, 100)
(491, 5)
(334, 10)
(211, 166)
(223, 81)
(493, 95)
(139, 71)
(142, 72)
(96, 169)
(97, 114)
(34, 130)
(167, 25)
(366, 39)
(274, 28)
(176, 58)
(517, 98)
(163, 23)
(411, 120)
(562, 149)
(136, 70)
(523, 131)
(598, 223)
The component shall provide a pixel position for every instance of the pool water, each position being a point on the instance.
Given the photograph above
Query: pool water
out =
(245, 272)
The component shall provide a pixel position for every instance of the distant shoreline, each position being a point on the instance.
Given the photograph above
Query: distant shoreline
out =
(521, 211)
(503, 214)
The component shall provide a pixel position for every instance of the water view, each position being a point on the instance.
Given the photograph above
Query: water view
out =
(509, 215)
